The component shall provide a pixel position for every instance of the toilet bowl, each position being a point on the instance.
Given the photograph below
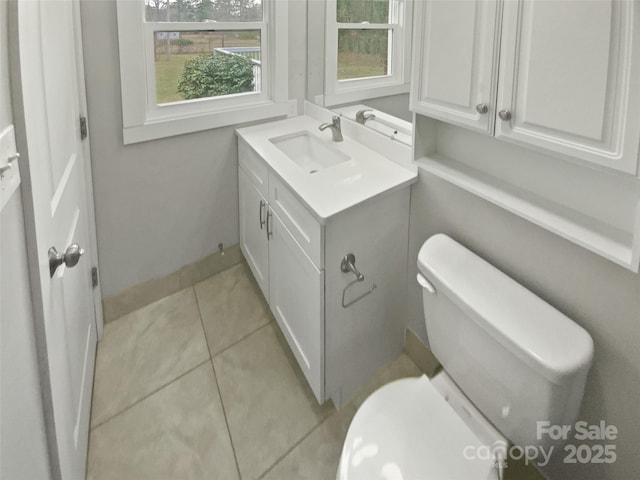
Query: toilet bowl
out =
(506, 367)
(409, 430)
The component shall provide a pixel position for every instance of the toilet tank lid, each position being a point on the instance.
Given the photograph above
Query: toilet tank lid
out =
(534, 331)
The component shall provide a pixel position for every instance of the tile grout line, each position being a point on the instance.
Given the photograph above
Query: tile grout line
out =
(308, 434)
(212, 356)
(149, 395)
(124, 315)
(239, 340)
(235, 342)
(215, 376)
(204, 331)
(302, 439)
(164, 384)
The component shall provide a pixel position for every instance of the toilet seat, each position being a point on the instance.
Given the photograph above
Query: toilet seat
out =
(406, 430)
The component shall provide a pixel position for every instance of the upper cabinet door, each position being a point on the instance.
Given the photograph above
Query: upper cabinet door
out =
(570, 79)
(455, 61)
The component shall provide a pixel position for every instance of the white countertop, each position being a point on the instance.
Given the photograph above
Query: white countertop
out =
(332, 190)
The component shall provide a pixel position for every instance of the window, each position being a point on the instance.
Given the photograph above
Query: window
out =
(189, 65)
(367, 49)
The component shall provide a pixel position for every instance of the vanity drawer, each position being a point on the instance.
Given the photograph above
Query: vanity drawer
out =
(302, 225)
(255, 168)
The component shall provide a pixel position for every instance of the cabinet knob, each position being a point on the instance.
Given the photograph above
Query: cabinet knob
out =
(504, 115)
(482, 108)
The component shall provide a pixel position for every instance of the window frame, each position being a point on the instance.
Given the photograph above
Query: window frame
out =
(399, 56)
(144, 119)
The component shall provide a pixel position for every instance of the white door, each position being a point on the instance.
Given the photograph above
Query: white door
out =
(297, 301)
(48, 130)
(253, 233)
(455, 63)
(570, 78)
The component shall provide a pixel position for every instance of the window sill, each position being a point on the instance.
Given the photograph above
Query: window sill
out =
(221, 118)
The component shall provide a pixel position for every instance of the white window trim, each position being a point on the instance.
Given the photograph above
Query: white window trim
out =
(144, 120)
(345, 91)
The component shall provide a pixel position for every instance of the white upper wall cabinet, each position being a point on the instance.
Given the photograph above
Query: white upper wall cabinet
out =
(455, 62)
(570, 77)
(568, 80)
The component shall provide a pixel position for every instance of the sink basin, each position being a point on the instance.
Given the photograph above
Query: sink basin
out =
(309, 152)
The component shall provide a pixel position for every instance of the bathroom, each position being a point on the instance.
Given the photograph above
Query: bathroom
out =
(165, 205)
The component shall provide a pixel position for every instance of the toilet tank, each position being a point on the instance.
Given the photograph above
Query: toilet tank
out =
(518, 359)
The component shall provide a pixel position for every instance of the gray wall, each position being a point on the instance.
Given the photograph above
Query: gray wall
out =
(165, 203)
(23, 447)
(601, 296)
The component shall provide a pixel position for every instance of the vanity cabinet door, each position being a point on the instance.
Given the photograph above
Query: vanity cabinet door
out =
(296, 298)
(455, 62)
(253, 234)
(570, 79)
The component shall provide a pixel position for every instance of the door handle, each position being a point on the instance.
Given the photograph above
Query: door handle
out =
(262, 205)
(70, 257)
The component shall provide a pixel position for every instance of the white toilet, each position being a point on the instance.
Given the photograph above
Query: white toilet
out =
(510, 360)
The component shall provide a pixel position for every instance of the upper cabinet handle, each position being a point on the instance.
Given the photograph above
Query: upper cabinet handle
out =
(504, 115)
(482, 108)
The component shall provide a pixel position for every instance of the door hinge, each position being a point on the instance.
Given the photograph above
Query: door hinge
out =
(83, 128)
(94, 277)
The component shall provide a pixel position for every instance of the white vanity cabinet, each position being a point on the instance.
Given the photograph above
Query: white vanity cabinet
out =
(566, 80)
(292, 284)
(337, 348)
(296, 298)
(253, 233)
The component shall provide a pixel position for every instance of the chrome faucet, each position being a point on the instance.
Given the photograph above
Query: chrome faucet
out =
(335, 128)
(362, 117)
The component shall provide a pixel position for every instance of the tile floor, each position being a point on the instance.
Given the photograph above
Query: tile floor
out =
(201, 385)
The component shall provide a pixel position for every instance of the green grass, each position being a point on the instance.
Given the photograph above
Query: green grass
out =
(168, 70)
(350, 65)
(359, 65)
(167, 75)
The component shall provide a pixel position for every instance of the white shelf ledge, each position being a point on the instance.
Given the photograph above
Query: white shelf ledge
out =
(616, 245)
